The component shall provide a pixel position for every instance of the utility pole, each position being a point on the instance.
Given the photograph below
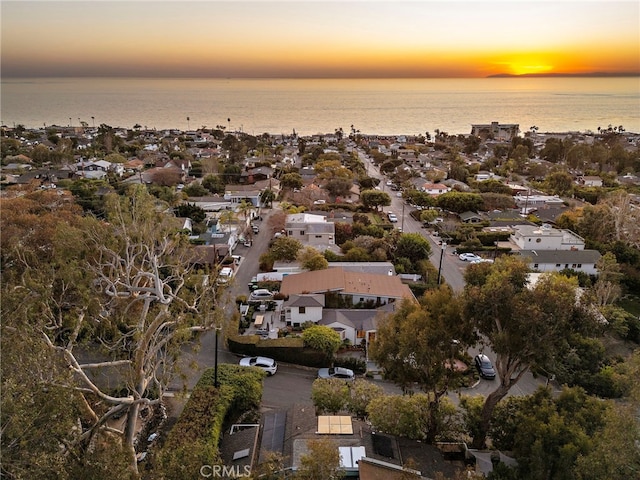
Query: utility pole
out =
(444, 247)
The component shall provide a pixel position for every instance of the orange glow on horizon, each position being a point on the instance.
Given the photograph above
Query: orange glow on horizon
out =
(319, 39)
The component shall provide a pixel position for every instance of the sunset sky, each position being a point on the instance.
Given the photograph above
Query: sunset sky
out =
(322, 39)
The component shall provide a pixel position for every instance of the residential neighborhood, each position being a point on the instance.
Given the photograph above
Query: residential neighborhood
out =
(179, 272)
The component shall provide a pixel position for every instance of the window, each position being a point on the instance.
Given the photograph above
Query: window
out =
(535, 265)
(301, 232)
(573, 266)
(318, 236)
(557, 265)
(579, 265)
(302, 310)
(538, 240)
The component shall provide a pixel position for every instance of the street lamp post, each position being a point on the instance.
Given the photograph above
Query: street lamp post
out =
(215, 365)
(444, 247)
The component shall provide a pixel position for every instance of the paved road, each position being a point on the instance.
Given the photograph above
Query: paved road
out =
(202, 354)
(452, 268)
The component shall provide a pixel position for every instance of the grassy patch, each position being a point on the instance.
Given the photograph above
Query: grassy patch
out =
(631, 303)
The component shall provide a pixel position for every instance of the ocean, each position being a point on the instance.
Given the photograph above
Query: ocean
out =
(309, 106)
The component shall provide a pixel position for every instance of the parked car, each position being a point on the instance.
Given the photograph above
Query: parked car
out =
(269, 365)
(482, 260)
(253, 284)
(468, 257)
(255, 229)
(484, 366)
(260, 294)
(392, 217)
(225, 276)
(336, 372)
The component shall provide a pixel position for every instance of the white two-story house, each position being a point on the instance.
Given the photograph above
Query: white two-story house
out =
(533, 237)
(548, 249)
(310, 229)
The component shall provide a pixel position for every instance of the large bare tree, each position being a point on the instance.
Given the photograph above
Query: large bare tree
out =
(117, 299)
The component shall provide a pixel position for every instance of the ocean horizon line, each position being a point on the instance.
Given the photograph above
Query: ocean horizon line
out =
(215, 77)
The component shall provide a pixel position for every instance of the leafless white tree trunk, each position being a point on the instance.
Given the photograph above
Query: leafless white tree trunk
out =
(150, 295)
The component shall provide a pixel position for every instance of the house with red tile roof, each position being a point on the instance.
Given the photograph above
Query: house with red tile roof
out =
(435, 188)
(357, 287)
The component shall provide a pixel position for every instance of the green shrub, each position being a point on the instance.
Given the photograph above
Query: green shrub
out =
(358, 365)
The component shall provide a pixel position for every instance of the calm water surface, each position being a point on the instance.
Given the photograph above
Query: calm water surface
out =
(393, 106)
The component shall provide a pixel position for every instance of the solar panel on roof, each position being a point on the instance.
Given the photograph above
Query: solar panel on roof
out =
(382, 446)
(335, 425)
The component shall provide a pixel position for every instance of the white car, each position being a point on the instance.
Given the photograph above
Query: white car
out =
(482, 260)
(260, 294)
(469, 257)
(392, 217)
(269, 365)
(337, 372)
(225, 276)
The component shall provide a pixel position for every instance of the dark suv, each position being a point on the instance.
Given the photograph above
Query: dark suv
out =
(484, 366)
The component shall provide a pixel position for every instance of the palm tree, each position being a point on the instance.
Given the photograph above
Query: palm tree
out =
(244, 208)
(226, 218)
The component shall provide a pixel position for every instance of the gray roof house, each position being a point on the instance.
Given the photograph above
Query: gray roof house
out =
(557, 260)
(470, 217)
(303, 308)
(352, 325)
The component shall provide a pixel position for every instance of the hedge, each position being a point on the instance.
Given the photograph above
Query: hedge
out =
(288, 350)
(193, 440)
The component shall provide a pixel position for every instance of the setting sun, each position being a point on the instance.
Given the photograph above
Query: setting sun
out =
(523, 68)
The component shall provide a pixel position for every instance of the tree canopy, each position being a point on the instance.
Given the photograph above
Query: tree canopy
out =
(419, 343)
(525, 325)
